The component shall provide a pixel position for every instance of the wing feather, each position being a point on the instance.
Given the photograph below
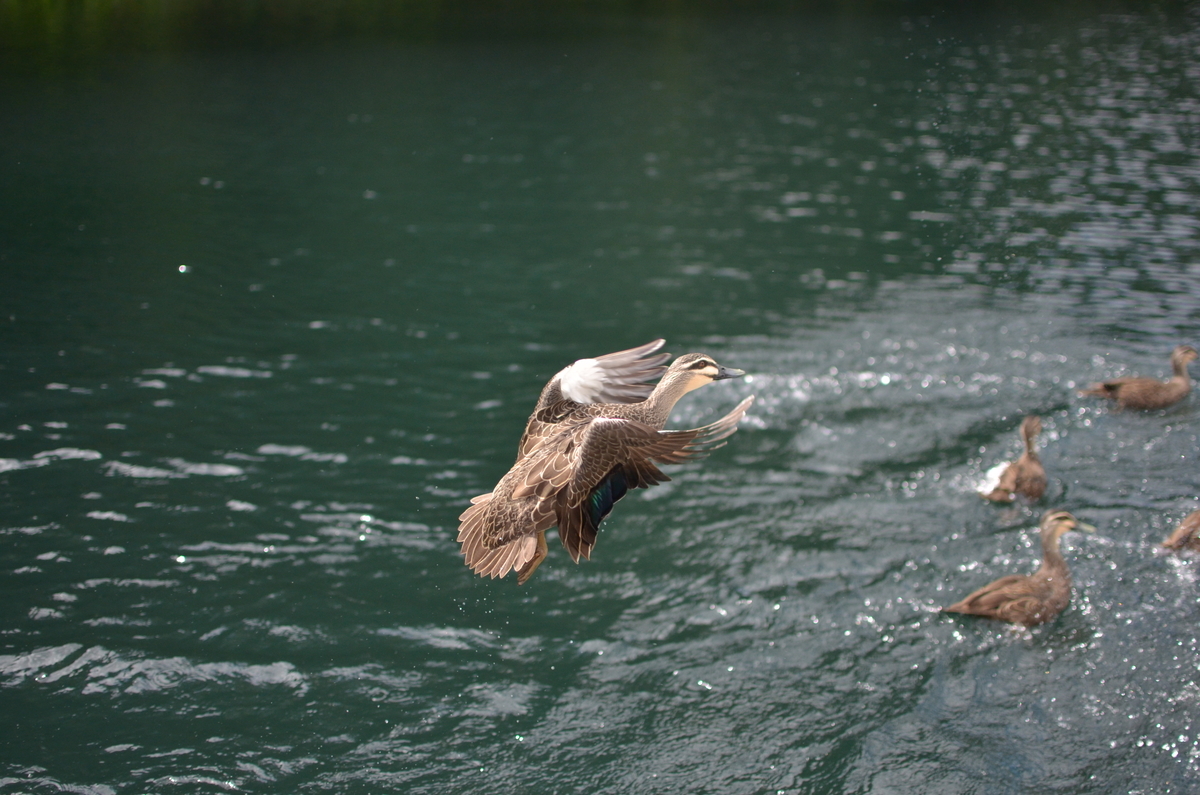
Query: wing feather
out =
(1185, 534)
(984, 600)
(609, 442)
(614, 455)
(1021, 610)
(625, 374)
(621, 377)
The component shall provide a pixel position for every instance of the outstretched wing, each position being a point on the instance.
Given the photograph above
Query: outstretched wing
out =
(615, 455)
(621, 377)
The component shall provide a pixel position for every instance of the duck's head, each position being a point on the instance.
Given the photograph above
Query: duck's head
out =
(698, 369)
(1183, 355)
(1055, 523)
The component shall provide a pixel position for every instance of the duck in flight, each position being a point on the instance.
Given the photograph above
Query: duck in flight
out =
(596, 432)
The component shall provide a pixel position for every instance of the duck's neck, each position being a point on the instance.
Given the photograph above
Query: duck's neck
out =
(666, 394)
(1052, 559)
(1181, 371)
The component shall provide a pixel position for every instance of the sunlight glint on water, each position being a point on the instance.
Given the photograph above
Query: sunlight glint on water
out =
(273, 319)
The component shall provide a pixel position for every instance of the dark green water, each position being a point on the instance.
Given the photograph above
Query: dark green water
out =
(270, 319)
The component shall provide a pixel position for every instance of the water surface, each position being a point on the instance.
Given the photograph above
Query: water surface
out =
(272, 318)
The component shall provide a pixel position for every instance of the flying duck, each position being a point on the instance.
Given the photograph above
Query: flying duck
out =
(596, 432)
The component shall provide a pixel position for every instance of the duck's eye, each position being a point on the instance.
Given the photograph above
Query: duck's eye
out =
(700, 364)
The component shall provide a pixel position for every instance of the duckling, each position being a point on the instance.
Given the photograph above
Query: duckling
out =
(1025, 476)
(1149, 393)
(1187, 535)
(1029, 599)
(589, 440)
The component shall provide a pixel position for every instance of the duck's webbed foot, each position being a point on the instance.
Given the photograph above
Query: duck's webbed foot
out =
(539, 555)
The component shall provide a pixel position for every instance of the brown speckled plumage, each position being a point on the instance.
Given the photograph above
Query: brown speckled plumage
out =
(1028, 599)
(576, 458)
(627, 372)
(1025, 476)
(1187, 534)
(1149, 393)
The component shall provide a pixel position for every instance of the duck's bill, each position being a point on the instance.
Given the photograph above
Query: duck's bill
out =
(728, 372)
(1084, 526)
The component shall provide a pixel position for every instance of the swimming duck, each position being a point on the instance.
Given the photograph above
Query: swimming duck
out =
(1029, 599)
(596, 432)
(1149, 393)
(1025, 476)
(1187, 535)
